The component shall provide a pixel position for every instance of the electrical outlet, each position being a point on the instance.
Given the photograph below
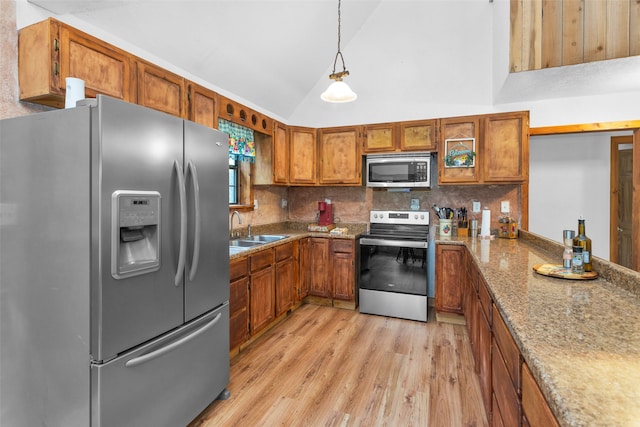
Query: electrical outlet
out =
(475, 207)
(255, 204)
(283, 203)
(504, 206)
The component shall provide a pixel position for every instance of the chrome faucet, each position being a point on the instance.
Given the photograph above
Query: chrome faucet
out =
(231, 222)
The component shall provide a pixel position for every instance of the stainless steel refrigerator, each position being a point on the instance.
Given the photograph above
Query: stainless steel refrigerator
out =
(114, 268)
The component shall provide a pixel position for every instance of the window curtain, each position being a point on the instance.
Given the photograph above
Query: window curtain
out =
(242, 146)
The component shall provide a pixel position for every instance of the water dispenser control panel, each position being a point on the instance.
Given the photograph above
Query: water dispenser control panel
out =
(135, 233)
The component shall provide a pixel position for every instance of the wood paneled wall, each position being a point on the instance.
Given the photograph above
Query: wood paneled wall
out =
(551, 33)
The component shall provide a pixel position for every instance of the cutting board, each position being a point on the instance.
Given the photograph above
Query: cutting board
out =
(555, 270)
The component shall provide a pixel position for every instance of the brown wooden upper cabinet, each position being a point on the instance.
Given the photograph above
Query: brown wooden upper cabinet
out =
(505, 155)
(302, 156)
(458, 135)
(380, 137)
(484, 149)
(203, 105)
(50, 51)
(280, 154)
(340, 157)
(419, 135)
(161, 90)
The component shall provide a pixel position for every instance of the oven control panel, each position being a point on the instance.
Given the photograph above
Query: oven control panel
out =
(399, 217)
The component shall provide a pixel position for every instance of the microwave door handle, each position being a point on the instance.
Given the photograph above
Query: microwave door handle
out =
(191, 169)
(183, 224)
(166, 349)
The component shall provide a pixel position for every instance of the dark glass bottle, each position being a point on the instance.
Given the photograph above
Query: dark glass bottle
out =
(585, 243)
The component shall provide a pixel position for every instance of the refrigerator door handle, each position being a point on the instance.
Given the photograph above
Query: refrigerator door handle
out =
(166, 349)
(191, 168)
(183, 223)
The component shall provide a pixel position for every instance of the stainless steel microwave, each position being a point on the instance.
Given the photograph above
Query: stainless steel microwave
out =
(407, 170)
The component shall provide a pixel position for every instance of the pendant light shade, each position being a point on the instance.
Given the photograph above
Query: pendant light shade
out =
(338, 91)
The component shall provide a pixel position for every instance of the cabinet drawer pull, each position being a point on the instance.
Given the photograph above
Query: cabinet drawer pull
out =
(56, 45)
(56, 69)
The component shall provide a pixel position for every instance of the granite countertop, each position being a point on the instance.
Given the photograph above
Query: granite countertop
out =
(580, 338)
(295, 231)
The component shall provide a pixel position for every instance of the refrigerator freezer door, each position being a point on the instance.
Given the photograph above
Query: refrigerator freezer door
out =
(44, 269)
(207, 182)
(134, 149)
(168, 381)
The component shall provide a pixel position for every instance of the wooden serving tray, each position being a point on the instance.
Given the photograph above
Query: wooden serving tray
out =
(555, 270)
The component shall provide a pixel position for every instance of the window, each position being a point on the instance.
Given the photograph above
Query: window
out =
(233, 181)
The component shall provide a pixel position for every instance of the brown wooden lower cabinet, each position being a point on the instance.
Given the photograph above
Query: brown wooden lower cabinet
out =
(262, 290)
(319, 284)
(484, 359)
(285, 280)
(450, 273)
(496, 419)
(509, 392)
(479, 327)
(504, 392)
(332, 271)
(304, 275)
(238, 302)
(535, 411)
(343, 269)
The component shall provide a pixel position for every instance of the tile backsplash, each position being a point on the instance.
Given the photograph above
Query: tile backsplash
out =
(352, 204)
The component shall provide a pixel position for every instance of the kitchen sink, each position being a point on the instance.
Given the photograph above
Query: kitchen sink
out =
(239, 245)
(243, 243)
(236, 249)
(266, 238)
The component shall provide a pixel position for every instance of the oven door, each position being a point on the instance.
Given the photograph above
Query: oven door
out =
(393, 278)
(398, 266)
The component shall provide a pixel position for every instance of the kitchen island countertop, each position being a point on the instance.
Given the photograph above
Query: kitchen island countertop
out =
(580, 338)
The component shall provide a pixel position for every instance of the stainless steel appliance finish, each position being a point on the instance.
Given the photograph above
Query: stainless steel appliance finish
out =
(393, 267)
(82, 343)
(405, 170)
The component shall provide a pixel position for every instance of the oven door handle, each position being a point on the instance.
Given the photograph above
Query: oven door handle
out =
(395, 243)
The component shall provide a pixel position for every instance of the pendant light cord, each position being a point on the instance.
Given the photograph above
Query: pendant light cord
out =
(335, 61)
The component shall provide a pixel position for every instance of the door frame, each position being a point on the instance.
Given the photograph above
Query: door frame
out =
(616, 141)
(631, 125)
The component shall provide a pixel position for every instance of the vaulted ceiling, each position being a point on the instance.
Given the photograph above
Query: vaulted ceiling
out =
(408, 59)
(270, 53)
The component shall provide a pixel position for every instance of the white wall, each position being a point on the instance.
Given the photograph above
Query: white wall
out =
(570, 177)
(429, 59)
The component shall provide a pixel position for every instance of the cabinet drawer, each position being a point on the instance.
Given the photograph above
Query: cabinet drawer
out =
(238, 268)
(534, 405)
(485, 299)
(342, 245)
(261, 260)
(507, 347)
(284, 251)
(504, 392)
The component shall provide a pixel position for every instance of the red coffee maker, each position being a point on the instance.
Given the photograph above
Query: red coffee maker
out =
(326, 213)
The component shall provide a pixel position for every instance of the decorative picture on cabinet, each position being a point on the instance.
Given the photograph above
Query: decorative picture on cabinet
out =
(460, 153)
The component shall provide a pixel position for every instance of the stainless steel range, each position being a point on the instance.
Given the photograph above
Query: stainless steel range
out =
(393, 267)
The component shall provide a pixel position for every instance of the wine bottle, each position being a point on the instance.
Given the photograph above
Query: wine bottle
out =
(585, 243)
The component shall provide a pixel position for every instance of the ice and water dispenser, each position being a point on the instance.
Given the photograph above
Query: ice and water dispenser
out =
(135, 233)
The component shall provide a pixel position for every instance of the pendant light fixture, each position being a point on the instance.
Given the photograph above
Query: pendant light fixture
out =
(338, 91)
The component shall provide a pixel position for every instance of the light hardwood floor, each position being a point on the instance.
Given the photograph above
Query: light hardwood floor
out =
(326, 366)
